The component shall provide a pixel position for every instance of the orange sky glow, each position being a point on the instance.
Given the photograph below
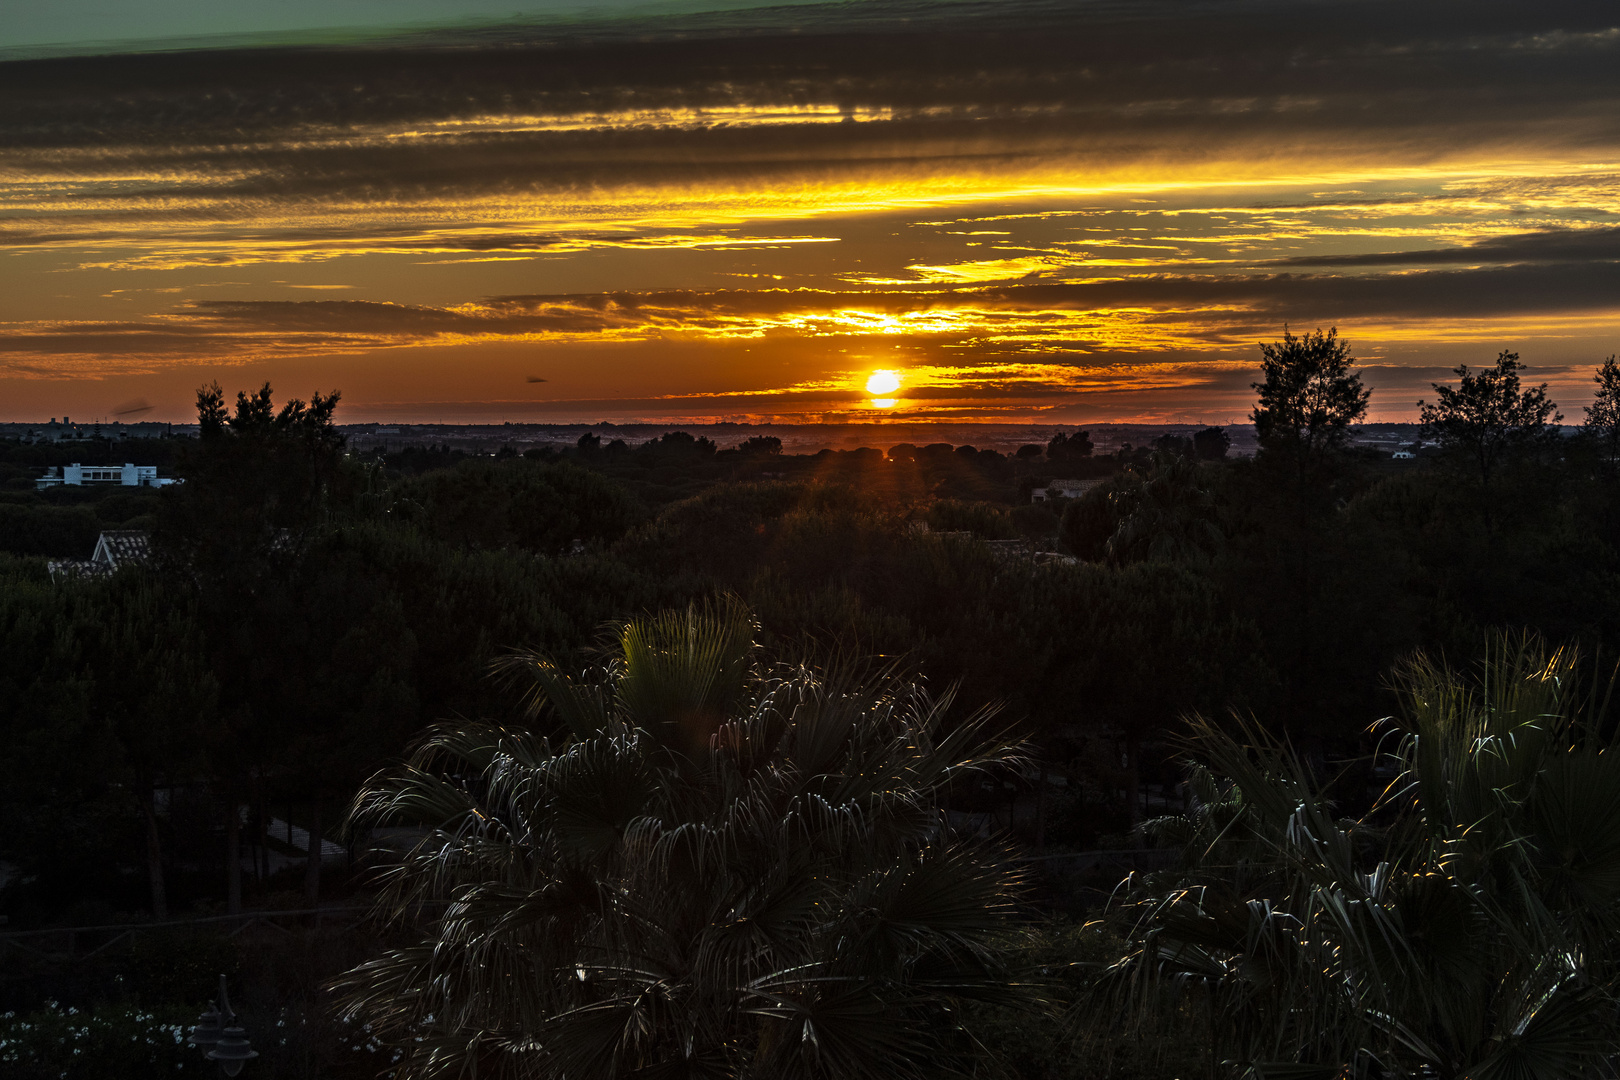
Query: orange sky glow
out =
(1093, 218)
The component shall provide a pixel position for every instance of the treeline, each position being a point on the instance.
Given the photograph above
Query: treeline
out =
(307, 612)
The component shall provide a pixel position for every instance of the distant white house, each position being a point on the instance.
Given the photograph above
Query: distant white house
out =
(114, 548)
(127, 475)
(1063, 489)
(1403, 455)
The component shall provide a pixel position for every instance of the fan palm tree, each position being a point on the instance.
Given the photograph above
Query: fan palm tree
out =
(1468, 926)
(704, 867)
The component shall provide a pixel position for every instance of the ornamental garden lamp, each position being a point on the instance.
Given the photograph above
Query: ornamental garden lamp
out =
(218, 1035)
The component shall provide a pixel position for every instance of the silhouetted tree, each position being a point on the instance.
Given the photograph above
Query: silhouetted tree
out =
(1488, 417)
(1603, 415)
(1163, 512)
(1211, 444)
(1174, 444)
(678, 447)
(761, 446)
(1168, 515)
(256, 480)
(260, 482)
(1065, 447)
(1309, 396)
(1030, 450)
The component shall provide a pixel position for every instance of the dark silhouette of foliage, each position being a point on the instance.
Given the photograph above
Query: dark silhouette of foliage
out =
(1163, 512)
(537, 506)
(981, 519)
(258, 481)
(1173, 444)
(676, 447)
(1211, 444)
(715, 864)
(59, 531)
(1465, 927)
(1488, 417)
(1066, 447)
(1603, 415)
(1090, 521)
(1309, 396)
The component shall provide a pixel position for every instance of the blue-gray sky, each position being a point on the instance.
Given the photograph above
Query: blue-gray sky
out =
(118, 25)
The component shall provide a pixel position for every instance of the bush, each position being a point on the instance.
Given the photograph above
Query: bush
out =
(979, 518)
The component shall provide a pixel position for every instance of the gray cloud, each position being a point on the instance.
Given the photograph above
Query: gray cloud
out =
(990, 85)
(1552, 245)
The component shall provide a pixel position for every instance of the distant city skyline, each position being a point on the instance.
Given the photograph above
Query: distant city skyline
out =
(1023, 212)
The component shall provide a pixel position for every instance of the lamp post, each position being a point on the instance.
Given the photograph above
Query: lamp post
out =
(218, 1036)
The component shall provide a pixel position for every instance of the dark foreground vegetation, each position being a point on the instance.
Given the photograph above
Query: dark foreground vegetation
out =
(820, 816)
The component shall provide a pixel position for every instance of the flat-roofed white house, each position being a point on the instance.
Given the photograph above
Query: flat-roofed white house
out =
(127, 475)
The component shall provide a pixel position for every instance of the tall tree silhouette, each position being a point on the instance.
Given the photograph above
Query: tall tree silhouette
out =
(1309, 396)
(259, 481)
(1603, 415)
(1488, 418)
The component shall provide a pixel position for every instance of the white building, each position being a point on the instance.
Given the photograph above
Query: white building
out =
(76, 475)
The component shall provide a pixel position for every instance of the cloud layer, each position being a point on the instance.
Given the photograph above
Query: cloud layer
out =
(1013, 197)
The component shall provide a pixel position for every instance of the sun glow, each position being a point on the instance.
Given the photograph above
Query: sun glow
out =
(883, 382)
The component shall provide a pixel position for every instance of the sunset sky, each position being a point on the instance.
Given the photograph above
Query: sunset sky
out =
(1014, 210)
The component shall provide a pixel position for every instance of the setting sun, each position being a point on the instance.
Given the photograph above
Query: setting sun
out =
(883, 382)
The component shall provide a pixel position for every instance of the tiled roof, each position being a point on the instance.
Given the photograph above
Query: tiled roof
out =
(119, 546)
(66, 569)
